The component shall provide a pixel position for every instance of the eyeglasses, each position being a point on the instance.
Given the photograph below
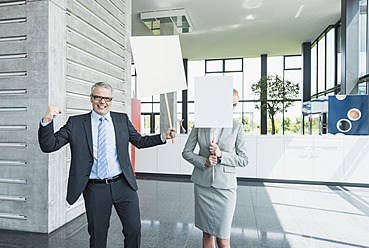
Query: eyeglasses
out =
(100, 98)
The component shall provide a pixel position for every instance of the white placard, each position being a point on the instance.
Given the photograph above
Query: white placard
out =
(159, 64)
(214, 102)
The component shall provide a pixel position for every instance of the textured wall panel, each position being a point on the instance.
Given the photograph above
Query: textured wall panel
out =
(52, 52)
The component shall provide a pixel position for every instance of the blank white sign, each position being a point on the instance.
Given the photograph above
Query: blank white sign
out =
(159, 64)
(214, 102)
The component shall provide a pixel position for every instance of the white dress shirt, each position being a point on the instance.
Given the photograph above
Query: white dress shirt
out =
(111, 147)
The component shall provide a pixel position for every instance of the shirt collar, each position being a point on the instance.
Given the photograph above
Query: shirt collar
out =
(96, 116)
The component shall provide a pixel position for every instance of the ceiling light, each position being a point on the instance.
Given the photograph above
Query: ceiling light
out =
(178, 17)
(299, 11)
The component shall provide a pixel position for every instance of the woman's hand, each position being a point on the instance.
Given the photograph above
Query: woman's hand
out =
(212, 160)
(214, 149)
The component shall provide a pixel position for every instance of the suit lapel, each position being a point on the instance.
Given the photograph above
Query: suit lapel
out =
(223, 135)
(115, 124)
(88, 130)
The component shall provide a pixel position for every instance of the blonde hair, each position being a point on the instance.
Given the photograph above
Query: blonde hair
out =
(235, 93)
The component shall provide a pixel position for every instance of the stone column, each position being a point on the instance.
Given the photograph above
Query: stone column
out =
(349, 46)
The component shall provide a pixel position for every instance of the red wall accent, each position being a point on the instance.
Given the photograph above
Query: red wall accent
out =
(136, 122)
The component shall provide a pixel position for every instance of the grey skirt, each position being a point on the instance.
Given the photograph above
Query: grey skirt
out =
(214, 209)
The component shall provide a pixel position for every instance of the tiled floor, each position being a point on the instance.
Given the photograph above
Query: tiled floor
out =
(267, 215)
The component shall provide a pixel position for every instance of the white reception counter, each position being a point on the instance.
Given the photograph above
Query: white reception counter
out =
(343, 159)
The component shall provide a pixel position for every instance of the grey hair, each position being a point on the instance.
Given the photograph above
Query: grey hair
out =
(101, 84)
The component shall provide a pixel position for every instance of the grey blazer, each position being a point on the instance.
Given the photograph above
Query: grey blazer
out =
(233, 146)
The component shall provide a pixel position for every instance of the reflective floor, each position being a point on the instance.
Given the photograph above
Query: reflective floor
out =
(267, 215)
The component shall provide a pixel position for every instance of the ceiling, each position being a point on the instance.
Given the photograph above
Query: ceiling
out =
(244, 28)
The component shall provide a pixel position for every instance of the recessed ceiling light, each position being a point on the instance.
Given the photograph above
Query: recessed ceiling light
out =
(250, 17)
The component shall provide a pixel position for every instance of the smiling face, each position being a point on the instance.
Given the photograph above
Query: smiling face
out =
(101, 107)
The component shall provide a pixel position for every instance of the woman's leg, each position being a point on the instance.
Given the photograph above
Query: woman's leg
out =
(223, 243)
(207, 240)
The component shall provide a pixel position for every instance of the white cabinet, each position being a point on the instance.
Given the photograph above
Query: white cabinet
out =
(307, 158)
(250, 169)
(270, 157)
(146, 159)
(186, 167)
(169, 157)
(356, 160)
(328, 158)
(298, 155)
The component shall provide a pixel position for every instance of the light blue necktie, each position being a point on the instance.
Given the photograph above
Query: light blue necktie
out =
(102, 161)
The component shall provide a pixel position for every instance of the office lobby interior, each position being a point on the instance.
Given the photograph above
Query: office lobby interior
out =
(306, 184)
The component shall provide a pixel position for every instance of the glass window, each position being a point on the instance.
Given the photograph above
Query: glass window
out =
(146, 107)
(237, 82)
(195, 69)
(179, 119)
(313, 70)
(292, 119)
(362, 88)
(157, 123)
(275, 66)
(330, 59)
(277, 124)
(250, 118)
(252, 72)
(321, 64)
(191, 116)
(315, 124)
(339, 55)
(363, 35)
(214, 65)
(179, 96)
(233, 65)
(156, 107)
(295, 76)
(145, 123)
(292, 62)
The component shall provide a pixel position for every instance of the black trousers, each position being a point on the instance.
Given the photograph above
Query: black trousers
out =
(99, 199)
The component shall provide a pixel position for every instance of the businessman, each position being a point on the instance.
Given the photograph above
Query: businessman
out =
(100, 165)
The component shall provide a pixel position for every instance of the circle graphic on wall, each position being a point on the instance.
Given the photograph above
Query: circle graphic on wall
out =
(340, 97)
(344, 125)
(354, 114)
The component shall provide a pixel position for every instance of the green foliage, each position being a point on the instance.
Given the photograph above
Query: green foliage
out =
(276, 95)
(277, 127)
(296, 127)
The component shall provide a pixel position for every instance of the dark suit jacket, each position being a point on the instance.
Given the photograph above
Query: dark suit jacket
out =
(77, 132)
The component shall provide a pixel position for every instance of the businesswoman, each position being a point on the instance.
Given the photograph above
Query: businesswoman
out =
(215, 201)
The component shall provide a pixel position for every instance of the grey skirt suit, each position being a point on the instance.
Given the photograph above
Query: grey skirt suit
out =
(215, 201)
